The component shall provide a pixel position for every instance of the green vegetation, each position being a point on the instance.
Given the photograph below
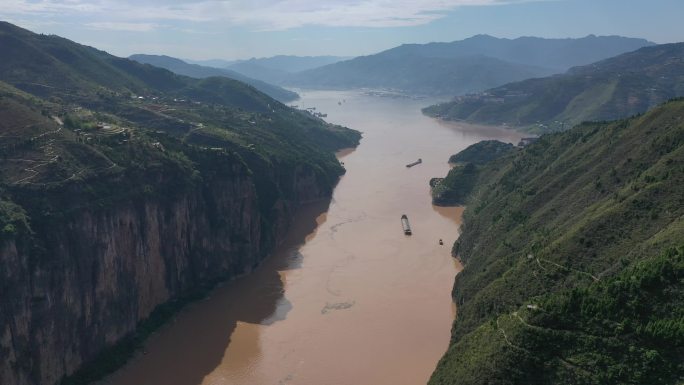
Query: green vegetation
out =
(12, 220)
(574, 261)
(614, 88)
(84, 131)
(455, 188)
(482, 152)
(119, 115)
(626, 329)
(197, 71)
(75, 121)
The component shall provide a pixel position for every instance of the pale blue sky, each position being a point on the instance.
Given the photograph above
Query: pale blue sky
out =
(232, 29)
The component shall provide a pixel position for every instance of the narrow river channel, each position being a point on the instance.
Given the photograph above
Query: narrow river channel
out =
(348, 299)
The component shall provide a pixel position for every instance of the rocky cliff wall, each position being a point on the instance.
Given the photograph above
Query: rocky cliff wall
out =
(70, 288)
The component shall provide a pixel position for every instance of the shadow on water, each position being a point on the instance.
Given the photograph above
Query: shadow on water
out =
(194, 343)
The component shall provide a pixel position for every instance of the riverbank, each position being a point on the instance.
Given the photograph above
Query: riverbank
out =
(202, 329)
(357, 301)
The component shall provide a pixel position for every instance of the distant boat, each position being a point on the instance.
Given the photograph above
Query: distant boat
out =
(405, 225)
(419, 161)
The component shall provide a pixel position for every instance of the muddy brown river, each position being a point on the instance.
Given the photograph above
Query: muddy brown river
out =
(348, 299)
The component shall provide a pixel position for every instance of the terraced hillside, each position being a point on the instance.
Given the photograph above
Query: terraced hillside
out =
(574, 266)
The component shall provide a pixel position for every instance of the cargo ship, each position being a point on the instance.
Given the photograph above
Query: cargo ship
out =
(419, 161)
(405, 225)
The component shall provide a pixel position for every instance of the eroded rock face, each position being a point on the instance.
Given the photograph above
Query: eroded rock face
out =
(97, 274)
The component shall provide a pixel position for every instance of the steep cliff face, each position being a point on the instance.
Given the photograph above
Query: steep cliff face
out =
(77, 283)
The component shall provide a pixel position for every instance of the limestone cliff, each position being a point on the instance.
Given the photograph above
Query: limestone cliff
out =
(85, 274)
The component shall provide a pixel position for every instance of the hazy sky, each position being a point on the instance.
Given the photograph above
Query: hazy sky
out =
(230, 29)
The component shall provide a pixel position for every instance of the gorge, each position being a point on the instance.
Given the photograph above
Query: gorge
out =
(158, 228)
(350, 299)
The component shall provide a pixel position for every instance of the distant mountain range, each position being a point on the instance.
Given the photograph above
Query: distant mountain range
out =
(275, 69)
(555, 54)
(617, 87)
(285, 63)
(198, 71)
(417, 75)
(464, 66)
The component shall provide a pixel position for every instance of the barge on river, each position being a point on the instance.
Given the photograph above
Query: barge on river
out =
(405, 224)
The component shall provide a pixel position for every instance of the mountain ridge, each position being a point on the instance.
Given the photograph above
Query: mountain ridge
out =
(275, 69)
(180, 67)
(464, 66)
(558, 54)
(416, 74)
(613, 88)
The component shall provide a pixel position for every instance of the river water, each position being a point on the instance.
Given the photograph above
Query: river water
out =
(348, 299)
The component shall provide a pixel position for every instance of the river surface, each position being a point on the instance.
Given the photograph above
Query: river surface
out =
(348, 299)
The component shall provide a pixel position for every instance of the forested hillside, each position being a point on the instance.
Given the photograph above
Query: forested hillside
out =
(573, 259)
(611, 89)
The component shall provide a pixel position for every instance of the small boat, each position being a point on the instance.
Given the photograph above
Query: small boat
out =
(419, 161)
(441, 242)
(405, 224)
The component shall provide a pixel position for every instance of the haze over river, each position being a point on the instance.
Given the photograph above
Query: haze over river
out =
(348, 299)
